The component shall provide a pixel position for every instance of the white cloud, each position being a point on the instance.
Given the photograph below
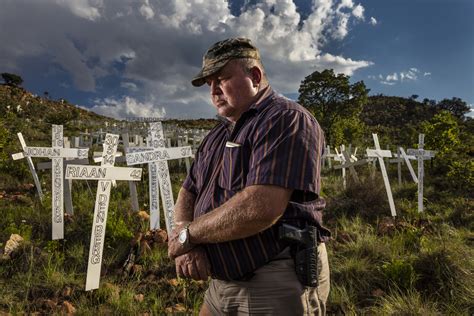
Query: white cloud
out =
(83, 8)
(373, 21)
(393, 77)
(411, 74)
(403, 76)
(345, 4)
(156, 46)
(341, 64)
(129, 85)
(340, 17)
(127, 107)
(146, 10)
(358, 12)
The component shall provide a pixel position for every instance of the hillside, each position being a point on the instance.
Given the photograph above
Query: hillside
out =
(22, 111)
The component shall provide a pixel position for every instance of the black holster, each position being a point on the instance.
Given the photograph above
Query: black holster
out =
(304, 250)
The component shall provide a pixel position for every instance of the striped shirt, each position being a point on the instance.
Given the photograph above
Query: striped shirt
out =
(275, 142)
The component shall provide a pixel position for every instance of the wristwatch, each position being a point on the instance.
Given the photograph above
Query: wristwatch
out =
(183, 236)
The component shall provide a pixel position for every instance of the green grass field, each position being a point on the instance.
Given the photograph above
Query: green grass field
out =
(415, 264)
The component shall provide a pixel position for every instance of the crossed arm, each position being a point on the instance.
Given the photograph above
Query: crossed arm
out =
(249, 212)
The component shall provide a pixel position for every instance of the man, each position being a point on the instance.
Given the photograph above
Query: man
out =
(257, 169)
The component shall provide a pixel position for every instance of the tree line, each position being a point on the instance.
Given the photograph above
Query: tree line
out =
(348, 115)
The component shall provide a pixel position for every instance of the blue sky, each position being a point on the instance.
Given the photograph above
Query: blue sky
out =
(434, 36)
(135, 58)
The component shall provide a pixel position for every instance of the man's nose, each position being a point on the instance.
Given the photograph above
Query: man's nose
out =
(215, 88)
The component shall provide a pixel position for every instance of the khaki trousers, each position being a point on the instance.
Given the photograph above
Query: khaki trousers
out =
(274, 290)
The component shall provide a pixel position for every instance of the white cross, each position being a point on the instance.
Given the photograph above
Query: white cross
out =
(97, 156)
(402, 157)
(350, 163)
(353, 156)
(67, 186)
(407, 161)
(328, 155)
(380, 154)
(56, 153)
(421, 155)
(342, 158)
(186, 160)
(30, 165)
(131, 185)
(159, 173)
(398, 161)
(105, 173)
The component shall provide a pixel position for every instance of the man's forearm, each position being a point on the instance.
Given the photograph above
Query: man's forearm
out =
(184, 207)
(247, 213)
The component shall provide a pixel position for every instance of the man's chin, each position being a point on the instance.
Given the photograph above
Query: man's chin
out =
(223, 111)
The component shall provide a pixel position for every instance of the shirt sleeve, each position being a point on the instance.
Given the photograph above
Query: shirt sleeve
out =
(286, 151)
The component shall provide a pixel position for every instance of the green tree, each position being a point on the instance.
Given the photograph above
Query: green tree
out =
(455, 106)
(442, 133)
(12, 79)
(348, 131)
(332, 99)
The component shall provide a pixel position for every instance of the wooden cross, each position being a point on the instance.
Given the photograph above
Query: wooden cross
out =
(346, 159)
(131, 185)
(97, 156)
(182, 142)
(402, 157)
(350, 163)
(380, 154)
(30, 165)
(353, 155)
(421, 154)
(56, 153)
(340, 157)
(159, 173)
(399, 160)
(407, 161)
(328, 155)
(67, 183)
(105, 173)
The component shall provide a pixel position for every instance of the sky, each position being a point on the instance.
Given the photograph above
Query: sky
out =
(136, 58)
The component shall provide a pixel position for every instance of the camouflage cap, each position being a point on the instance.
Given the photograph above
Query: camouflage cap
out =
(219, 54)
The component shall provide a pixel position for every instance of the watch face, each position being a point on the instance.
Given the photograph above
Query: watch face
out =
(182, 236)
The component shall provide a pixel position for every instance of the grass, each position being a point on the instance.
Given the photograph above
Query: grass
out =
(415, 264)
(42, 270)
(404, 303)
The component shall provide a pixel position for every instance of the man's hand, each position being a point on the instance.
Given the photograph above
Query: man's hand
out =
(193, 264)
(175, 248)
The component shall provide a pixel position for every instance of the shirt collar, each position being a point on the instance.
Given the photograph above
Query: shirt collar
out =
(263, 100)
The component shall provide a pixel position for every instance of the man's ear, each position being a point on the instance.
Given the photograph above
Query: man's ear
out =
(256, 74)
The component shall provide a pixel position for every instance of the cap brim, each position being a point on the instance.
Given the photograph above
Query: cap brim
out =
(200, 78)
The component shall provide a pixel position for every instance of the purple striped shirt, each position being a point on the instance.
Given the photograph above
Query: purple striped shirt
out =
(277, 142)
